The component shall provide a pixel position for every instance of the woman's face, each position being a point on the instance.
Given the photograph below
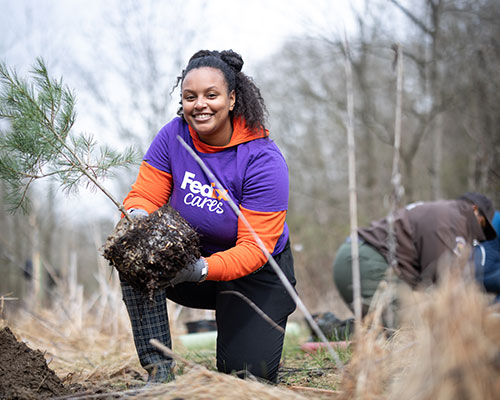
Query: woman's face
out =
(206, 105)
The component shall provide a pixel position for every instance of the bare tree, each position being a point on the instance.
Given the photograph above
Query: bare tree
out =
(132, 82)
(474, 55)
(448, 117)
(428, 61)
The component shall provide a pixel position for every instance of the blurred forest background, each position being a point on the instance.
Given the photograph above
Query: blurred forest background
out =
(124, 65)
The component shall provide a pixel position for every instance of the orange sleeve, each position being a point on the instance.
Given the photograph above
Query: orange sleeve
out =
(151, 189)
(247, 257)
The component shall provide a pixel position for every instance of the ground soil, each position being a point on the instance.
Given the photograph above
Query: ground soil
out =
(24, 373)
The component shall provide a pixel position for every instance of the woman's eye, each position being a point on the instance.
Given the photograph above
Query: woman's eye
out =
(189, 98)
(212, 96)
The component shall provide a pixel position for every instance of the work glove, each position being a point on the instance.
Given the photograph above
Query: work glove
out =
(137, 213)
(195, 272)
(123, 225)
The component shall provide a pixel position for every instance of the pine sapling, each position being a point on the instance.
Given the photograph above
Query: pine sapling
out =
(38, 142)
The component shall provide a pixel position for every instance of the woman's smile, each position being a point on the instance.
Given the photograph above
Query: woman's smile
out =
(202, 117)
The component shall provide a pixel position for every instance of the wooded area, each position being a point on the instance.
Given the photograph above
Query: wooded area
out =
(450, 128)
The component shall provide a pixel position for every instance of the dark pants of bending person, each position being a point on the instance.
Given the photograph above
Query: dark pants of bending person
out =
(246, 342)
(372, 270)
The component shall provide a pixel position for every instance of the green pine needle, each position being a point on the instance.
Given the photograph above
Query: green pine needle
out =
(39, 143)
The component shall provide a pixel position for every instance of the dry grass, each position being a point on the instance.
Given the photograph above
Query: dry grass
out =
(200, 383)
(448, 347)
(452, 346)
(107, 363)
(84, 350)
(88, 342)
(109, 369)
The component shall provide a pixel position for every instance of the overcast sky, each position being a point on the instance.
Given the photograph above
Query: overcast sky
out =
(254, 28)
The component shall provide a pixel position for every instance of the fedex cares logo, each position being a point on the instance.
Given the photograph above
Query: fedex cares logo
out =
(202, 196)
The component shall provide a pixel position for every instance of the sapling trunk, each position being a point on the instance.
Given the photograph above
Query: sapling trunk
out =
(39, 143)
(353, 208)
(398, 189)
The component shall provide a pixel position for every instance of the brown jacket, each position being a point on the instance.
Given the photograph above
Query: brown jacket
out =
(424, 232)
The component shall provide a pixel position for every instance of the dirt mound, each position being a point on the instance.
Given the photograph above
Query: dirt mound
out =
(24, 372)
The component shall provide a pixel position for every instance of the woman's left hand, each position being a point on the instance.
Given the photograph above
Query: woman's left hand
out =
(194, 272)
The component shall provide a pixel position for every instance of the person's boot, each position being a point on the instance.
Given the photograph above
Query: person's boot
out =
(149, 320)
(160, 372)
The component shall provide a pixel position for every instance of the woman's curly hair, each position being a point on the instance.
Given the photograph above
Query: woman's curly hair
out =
(249, 102)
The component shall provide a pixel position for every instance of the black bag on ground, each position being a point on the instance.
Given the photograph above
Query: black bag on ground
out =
(333, 328)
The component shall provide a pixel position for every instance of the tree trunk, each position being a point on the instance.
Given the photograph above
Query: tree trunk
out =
(437, 158)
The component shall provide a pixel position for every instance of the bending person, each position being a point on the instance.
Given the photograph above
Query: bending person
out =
(425, 232)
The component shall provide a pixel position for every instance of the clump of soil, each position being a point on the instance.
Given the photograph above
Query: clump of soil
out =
(149, 253)
(24, 372)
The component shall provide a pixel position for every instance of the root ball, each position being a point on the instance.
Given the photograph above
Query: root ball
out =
(150, 252)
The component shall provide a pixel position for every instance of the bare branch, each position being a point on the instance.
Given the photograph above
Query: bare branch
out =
(412, 17)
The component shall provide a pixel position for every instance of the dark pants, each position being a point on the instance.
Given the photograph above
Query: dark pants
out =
(246, 343)
(372, 270)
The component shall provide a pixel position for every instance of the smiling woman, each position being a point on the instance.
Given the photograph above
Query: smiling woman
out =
(222, 118)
